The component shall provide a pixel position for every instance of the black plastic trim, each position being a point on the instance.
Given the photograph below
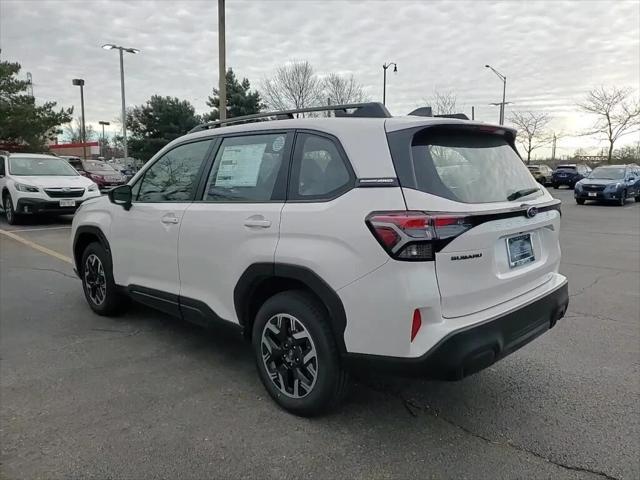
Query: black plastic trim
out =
(44, 206)
(163, 301)
(94, 231)
(474, 348)
(257, 273)
(189, 309)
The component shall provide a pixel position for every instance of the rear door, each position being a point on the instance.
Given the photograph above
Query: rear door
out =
(492, 245)
(234, 223)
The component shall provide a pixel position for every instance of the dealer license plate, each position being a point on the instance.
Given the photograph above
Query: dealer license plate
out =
(520, 250)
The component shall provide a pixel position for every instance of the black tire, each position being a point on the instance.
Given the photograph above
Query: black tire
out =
(111, 302)
(580, 201)
(637, 198)
(12, 217)
(555, 186)
(330, 383)
(623, 198)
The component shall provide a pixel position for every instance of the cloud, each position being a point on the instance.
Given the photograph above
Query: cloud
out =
(551, 52)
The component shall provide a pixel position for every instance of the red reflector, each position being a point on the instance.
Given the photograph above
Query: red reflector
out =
(416, 323)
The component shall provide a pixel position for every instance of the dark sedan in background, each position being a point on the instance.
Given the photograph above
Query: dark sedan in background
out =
(610, 183)
(100, 172)
(569, 174)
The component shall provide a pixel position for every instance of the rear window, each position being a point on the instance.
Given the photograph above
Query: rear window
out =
(469, 167)
(566, 167)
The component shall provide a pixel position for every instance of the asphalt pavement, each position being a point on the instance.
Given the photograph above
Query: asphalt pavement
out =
(146, 396)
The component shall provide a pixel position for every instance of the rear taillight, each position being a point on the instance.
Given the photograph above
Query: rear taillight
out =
(415, 236)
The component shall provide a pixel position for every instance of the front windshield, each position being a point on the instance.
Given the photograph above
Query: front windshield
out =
(94, 165)
(608, 173)
(42, 166)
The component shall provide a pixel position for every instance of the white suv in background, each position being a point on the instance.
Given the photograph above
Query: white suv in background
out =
(32, 183)
(421, 245)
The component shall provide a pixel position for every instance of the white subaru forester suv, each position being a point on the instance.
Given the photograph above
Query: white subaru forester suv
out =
(32, 183)
(418, 245)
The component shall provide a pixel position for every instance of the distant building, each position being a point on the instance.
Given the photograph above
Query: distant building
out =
(76, 149)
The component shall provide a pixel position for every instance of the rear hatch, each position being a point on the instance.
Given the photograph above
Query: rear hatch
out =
(493, 229)
(565, 172)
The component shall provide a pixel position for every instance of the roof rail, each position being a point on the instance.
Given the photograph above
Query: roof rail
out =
(370, 110)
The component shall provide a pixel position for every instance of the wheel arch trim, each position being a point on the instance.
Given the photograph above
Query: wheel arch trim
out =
(93, 231)
(256, 274)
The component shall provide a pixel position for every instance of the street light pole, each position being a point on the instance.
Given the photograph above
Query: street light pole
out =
(124, 111)
(384, 79)
(222, 68)
(504, 92)
(79, 82)
(111, 46)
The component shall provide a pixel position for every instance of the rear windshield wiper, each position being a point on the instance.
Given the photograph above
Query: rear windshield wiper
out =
(522, 193)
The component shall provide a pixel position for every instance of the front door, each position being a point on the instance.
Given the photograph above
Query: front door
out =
(144, 239)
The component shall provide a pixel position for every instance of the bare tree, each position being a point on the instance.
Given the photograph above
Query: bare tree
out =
(294, 85)
(73, 131)
(532, 130)
(617, 113)
(340, 90)
(443, 103)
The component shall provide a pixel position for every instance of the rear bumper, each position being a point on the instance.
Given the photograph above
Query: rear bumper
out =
(38, 206)
(564, 181)
(474, 348)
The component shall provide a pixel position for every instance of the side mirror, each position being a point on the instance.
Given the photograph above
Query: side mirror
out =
(122, 196)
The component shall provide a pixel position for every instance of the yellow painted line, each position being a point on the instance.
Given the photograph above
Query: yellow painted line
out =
(36, 246)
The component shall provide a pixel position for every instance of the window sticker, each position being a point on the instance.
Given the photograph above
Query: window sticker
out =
(240, 165)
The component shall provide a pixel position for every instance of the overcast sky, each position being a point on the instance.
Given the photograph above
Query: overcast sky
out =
(551, 52)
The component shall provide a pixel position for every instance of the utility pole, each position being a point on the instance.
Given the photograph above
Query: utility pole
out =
(222, 68)
(79, 82)
(553, 147)
(473, 112)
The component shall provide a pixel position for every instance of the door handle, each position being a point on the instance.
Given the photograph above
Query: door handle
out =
(257, 222)
(169, 219)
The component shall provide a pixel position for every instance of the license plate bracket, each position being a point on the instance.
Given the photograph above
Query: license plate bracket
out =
(520, 250)
(67, 203)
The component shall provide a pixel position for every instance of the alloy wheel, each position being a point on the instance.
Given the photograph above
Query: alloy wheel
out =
(289, 355)
(95, 279)
(8, 209)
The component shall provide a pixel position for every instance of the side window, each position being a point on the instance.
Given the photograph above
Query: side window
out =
(174, 177)
(2, 170)
(248, 169)
(319, 169)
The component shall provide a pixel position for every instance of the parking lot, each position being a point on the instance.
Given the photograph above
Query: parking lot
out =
(145, 395)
